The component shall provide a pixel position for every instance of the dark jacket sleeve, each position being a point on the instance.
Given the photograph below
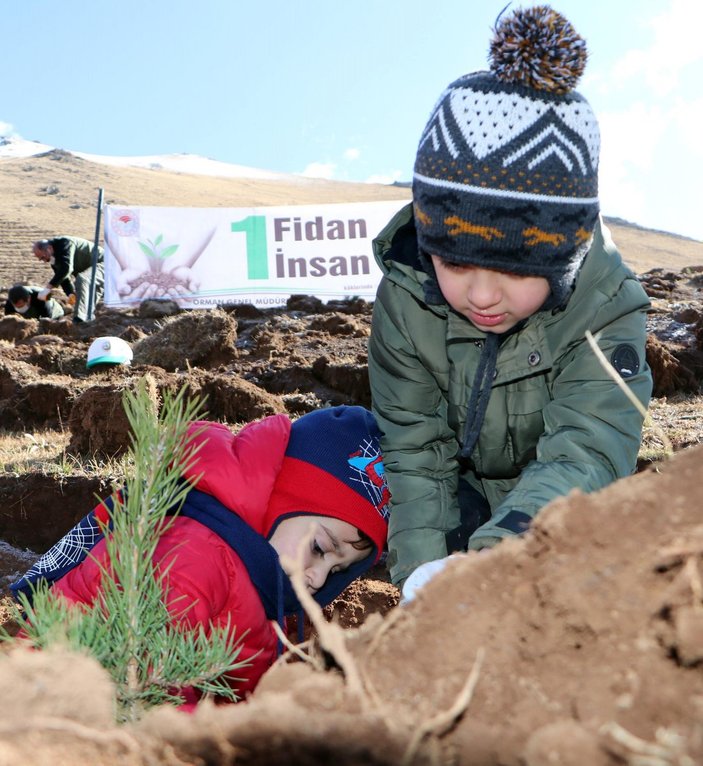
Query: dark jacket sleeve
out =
(48, 309)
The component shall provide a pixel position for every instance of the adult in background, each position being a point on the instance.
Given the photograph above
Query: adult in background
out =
(25, 300)
(71, 258)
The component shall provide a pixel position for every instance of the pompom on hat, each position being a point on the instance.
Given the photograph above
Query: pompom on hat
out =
(333, 467)
(506, 172)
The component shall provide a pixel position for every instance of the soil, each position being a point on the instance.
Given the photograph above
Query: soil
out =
(580, 643)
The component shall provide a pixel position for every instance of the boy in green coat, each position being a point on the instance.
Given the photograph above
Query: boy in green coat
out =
(489, 397)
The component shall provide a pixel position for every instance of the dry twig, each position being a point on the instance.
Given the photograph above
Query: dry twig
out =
(668, 750)
(295, 649)
(329, 635)
(441, 723)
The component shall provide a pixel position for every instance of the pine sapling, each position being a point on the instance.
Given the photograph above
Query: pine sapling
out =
(129, 629)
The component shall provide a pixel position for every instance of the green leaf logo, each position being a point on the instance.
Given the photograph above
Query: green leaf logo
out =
(154, 249)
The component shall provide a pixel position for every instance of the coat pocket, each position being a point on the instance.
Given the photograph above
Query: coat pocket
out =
(525, 402)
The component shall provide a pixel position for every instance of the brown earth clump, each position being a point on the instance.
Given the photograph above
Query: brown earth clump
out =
(579, 643)
(98, 421)
(192, 339)
(669, 373)
(37, 509)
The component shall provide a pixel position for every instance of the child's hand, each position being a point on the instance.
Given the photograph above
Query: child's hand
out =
(421, 576)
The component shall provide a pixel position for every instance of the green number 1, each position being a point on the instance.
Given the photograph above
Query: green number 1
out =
(257, 261)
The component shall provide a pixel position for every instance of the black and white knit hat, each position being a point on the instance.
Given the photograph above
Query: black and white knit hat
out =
(506, 173)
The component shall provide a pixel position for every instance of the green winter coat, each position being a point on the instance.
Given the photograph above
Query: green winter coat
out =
(555, 420)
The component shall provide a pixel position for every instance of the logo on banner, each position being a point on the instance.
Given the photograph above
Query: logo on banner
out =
(125, 223)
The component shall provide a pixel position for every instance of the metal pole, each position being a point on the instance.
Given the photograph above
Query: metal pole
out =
(91, 292)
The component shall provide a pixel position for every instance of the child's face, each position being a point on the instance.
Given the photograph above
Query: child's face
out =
(494, 301)
(327, 546)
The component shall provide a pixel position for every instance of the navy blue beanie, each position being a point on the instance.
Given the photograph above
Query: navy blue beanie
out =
(333, 467)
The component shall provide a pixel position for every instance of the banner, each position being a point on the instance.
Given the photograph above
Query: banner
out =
(204, 257)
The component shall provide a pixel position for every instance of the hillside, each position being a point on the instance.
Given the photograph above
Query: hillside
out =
(56, 193)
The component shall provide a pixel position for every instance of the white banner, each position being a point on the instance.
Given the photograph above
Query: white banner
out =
(203, 257)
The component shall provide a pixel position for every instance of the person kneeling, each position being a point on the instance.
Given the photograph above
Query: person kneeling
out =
(310, 491)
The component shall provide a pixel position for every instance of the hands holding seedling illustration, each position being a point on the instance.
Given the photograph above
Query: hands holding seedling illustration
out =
(140, 285)
(157, 281)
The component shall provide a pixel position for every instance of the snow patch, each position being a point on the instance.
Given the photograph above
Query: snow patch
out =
(12, 147)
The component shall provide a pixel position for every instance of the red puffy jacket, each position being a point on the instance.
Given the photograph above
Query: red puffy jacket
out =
(205, 571)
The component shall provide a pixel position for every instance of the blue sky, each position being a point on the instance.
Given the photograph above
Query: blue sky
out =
(343, 90)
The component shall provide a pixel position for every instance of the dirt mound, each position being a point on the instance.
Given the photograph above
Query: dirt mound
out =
(98, 421)
(581, 643)
(99, 425)
(199, 338)
(38, 509)
(675, 342)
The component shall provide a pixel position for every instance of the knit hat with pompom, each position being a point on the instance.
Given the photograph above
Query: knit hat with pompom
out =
(506, 173)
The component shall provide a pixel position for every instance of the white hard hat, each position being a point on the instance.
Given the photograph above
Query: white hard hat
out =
(109, 350)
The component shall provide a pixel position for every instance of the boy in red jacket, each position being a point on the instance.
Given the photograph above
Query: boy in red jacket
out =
(262, 493)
